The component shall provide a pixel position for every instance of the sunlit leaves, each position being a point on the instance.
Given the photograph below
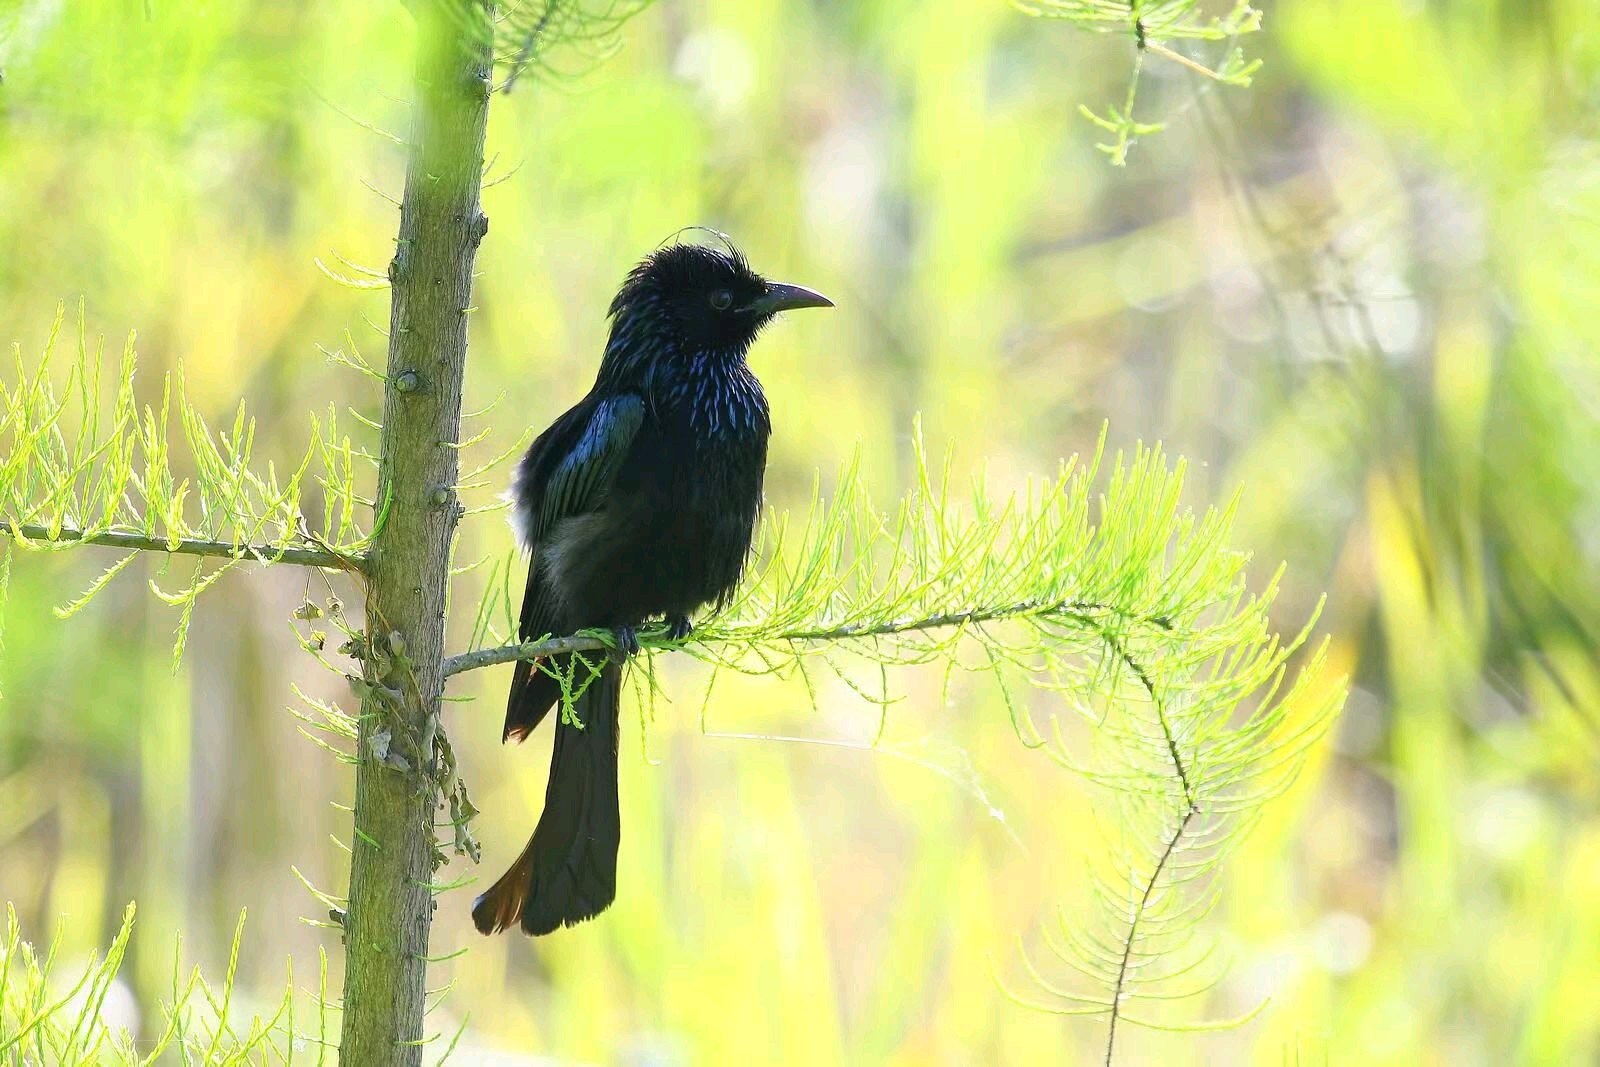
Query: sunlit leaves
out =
(546, 38)
(1131, 611)
(1097, 595)
(1154, 27)
(46, 1016)
(1156, 20)
(83, 463)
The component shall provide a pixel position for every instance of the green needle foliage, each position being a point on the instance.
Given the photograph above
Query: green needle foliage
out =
(83, 462)
(1128, 612)
(47, 1016)
(1155, 27)
(1116, 622)
(1166, 687)
(547, 38)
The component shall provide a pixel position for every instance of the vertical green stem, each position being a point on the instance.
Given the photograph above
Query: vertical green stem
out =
(386, 927)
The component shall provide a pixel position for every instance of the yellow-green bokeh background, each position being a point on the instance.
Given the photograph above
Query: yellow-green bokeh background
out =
(1366, 289)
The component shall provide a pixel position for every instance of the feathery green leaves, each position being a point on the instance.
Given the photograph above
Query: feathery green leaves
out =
(44, 1019)
(554, 39)
(82, 463)
(1125, 613)
(1155, 27)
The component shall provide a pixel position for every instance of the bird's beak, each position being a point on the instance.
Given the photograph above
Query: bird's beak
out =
(781, 297)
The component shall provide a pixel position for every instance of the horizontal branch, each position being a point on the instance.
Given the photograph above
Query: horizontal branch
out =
(303, 556)
(488, 657)
(1079, 609)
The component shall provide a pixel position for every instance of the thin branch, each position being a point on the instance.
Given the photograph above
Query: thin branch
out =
(1133, 926)
(1182, 60)
(488, 657)
(325, 558)
(1161, 715)
(1073, 609)
(528, 44)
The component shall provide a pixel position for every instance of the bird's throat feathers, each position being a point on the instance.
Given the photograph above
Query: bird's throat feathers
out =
(713, 388)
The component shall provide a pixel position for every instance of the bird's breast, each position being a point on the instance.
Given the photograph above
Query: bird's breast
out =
(673, 531)
(712, 400)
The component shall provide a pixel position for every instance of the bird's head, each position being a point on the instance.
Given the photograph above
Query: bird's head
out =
(701, 300)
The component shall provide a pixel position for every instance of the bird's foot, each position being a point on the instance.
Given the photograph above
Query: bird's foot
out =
(627, 638)
(678, 627)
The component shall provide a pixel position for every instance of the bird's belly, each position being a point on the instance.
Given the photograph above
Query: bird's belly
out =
(630, 560)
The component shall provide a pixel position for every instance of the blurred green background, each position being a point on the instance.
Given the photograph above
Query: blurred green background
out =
(1367, 289)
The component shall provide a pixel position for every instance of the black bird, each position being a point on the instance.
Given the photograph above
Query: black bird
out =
(641, 501)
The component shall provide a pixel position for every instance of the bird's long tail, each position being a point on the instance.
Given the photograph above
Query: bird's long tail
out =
(568, 872)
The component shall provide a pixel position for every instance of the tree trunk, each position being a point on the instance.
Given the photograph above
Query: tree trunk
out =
(391, 904)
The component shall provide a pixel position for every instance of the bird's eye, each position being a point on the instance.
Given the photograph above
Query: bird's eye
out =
(721, 299)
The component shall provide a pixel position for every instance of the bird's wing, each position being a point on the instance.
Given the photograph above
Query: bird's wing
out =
(573, 463)
(580, 482)
(566, 473)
